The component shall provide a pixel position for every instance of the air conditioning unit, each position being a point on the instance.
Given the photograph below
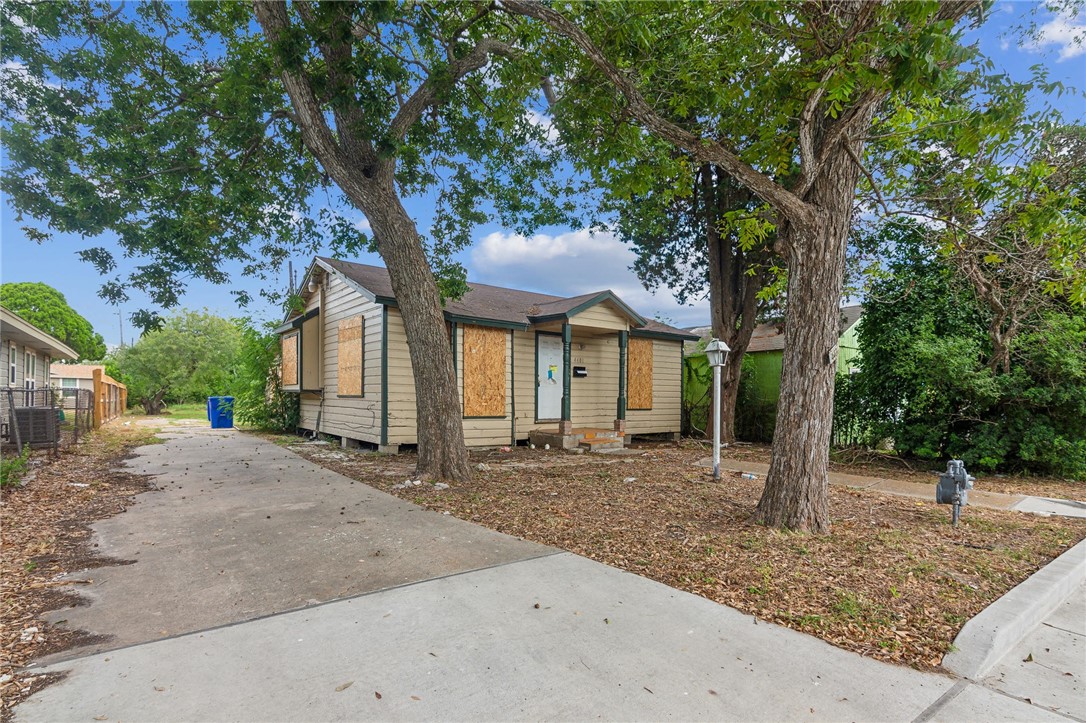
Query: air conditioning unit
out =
(37, 425)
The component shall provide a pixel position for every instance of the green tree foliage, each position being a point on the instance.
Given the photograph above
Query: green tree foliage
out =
(927, 384)
(782, 97)
(259, 399)
(46, 308)
(247, 132)
(193, 356)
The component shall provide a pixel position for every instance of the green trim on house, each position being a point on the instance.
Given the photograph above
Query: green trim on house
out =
(384, 375)
(297, 322)
(452, 342)
(513, 388)
(567, 372)
(623, 343)
(682, 384)
(388, 301)
(486, 322)
(641, 333)
(598, 298)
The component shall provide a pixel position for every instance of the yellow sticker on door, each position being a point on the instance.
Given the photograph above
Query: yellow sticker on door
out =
(552, 371)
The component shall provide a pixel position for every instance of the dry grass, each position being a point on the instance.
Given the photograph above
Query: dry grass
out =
(46, 535)
(893, 580)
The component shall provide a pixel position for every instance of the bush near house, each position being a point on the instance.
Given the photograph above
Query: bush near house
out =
(927, 386)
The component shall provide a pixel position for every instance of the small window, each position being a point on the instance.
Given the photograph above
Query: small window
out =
(639, 374)
(484, 371)
(290, 360)
(69, 383)
(30, 370)
(350, 357)
(13, 357)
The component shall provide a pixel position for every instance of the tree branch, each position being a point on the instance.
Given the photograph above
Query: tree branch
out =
(790, 206)
(428, 93)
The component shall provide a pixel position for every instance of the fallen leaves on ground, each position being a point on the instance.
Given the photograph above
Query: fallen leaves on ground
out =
(888, 466)
(46, 536)
(892, 580)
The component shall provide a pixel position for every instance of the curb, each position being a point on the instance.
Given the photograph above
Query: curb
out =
(989, 636)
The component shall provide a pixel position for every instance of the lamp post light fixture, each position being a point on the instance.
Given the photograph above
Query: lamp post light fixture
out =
(717, 353)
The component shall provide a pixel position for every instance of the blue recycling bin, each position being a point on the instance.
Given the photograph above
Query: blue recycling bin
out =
(220, 412)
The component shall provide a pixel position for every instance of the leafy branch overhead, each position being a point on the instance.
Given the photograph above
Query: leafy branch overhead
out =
(175, 130)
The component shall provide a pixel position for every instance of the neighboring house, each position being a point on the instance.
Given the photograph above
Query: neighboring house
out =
(766, 352)
(26, 352)
(74, 376)
(346, 355)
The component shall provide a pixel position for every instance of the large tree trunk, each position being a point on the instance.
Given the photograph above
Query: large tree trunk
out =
(796, 489)
(442, 453)
(733, 293)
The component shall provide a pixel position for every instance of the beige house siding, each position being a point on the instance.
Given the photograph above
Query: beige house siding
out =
(354, 418)
(604, 315)
(593, 398)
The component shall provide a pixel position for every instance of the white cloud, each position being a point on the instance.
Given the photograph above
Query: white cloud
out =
(544, 122)
(363, 225)
(1067, 32)
(574, 263)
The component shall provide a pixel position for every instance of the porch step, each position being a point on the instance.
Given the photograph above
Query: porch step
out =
(598, 443)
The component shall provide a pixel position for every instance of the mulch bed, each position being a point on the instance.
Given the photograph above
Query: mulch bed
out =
(888, 466)
(46, 535)
(892, 580)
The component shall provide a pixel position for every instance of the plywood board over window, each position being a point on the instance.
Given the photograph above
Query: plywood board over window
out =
(639, 374)
(290, 360)
(484, 371)
(350, 356)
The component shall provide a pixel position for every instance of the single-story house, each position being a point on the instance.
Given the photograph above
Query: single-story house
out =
(586, 370)
(71, 377)
(74, 376)
(26, 352)
(25, 355)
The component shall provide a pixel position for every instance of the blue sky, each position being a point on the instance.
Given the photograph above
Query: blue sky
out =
(564, 261)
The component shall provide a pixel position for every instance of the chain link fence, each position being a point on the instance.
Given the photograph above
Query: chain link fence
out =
(45, 418)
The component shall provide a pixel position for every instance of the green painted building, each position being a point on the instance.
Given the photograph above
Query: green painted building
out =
(760, 386)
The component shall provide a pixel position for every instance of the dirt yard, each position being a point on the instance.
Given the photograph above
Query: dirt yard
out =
(893, 580)
(46, 535)
(890, 467)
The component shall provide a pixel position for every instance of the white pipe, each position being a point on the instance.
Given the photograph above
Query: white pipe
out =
(716, 422)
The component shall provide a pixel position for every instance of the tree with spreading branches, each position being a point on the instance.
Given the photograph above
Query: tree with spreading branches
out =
(227, 133)
(781, 97)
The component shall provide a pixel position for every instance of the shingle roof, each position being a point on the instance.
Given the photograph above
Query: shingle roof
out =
(75, 371)
(486, 302)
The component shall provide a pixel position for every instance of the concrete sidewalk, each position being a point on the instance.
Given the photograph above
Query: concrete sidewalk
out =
(1049, 666)
(977, 497)
(456, 622)
(602, 644)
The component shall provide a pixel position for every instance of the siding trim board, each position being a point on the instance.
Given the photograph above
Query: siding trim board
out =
(535, 376)
(384, 374)
(597, 299)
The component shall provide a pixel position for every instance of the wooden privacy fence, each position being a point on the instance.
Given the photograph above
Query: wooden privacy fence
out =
(110, 398)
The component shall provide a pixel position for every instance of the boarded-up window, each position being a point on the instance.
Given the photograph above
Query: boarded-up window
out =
(484, 371)
(350, 356)
(639, 374)
(290, 360)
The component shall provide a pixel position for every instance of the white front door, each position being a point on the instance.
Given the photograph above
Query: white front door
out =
(549, 376)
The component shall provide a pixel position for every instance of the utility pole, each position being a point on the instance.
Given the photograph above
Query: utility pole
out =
(120, 323)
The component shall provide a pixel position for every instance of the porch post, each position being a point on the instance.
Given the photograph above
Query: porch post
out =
(566, 425)
(620, 416)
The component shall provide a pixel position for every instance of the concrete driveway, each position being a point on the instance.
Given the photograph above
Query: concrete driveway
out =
(267, 588)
